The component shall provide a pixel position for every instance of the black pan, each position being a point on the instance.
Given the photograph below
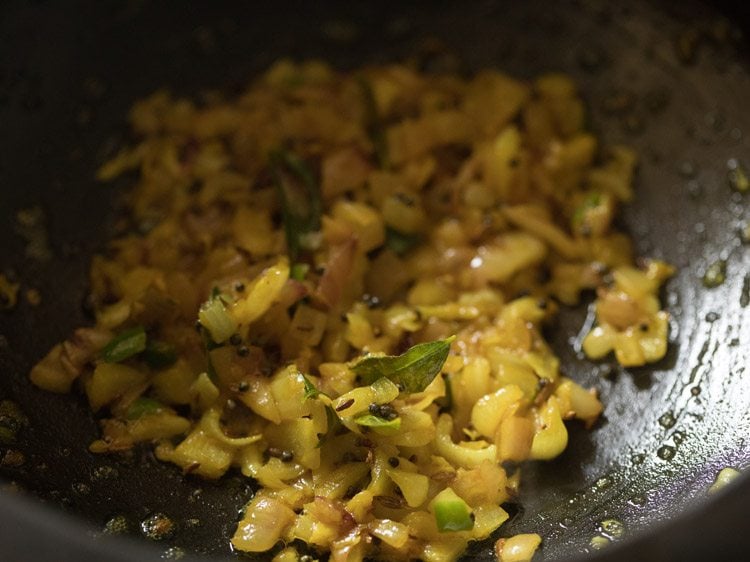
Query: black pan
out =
(672, 82)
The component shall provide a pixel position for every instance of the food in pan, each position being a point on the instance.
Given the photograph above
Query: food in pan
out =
(338, 284)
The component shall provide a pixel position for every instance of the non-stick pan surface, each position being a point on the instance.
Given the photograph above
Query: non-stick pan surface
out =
(673, 84)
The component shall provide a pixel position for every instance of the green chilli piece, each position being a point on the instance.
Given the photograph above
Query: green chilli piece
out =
(125, 345)
(412, 371)
(451, 512)
(143, 406)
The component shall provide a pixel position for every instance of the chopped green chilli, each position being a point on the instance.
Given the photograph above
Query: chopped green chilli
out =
(125, 345)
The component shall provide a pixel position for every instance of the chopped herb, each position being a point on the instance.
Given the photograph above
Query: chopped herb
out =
(299, 271)
(299, 195)
(373, 123)
(311, 391)
(412, 371)
(125, 345)
(385, 426)
(399, 242)
(159, 354)
(142, 407)
(333, 424)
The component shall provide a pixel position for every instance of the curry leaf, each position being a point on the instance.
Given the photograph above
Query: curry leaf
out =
(376, 422)
(413, 371)
(299, 196)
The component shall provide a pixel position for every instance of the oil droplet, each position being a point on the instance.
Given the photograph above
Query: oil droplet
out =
(712, 316)
(695, 391)
(666, 452)
(117, 525)
(81, 488)
(678, 437)
(104, 472)
(173, 553)
(745, 233)
(567, 522)
(737, 176)
(667, 420)
(598, 542)
(687, 169)
(612, 527)
(158, 527)
(638, 500)
(638, 458)
(715, 274)
(694, 189)
(604, 482)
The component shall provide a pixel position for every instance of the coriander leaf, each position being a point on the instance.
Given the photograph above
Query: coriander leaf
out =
(311, 391)
(125, 345)
(413, 371)
(299, 196)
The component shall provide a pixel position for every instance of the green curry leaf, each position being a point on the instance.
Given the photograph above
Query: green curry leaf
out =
(388, 427)
(413, 371)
